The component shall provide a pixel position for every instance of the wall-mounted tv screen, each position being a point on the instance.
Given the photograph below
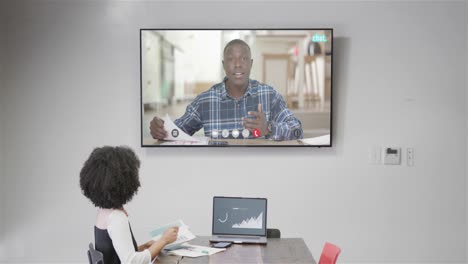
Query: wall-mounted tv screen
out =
(236, 87)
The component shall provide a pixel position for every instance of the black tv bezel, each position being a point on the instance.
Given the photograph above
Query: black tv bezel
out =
(230, 146)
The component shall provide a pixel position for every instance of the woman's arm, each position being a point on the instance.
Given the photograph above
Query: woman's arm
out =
(145, 245)
(155, 247)
(119, 232)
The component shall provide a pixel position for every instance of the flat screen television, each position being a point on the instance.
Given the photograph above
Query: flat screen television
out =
(236, 87)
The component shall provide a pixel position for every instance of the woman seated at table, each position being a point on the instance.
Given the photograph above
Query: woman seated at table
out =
(109, 178)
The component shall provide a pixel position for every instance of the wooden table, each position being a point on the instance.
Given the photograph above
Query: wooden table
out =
(277, 251)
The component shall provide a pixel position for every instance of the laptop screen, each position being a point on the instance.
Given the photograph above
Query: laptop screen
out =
(239, 216)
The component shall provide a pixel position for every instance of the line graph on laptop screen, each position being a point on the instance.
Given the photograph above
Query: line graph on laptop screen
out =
(239, 216)
(252, 222)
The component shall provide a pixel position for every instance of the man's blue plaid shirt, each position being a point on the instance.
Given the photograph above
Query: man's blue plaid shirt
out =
(214, 110)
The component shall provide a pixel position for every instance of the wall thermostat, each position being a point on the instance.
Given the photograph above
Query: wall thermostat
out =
(392, 156)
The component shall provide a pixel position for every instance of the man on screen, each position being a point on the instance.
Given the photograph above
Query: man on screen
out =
(237, 105)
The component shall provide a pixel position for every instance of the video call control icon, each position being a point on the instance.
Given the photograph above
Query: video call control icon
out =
(297, 133)
(245, 133)
(256, 133)
(225, 133)
(214, 133)
(175, 132)
(235, 133)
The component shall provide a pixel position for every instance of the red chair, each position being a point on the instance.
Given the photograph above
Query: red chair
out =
(330, 253)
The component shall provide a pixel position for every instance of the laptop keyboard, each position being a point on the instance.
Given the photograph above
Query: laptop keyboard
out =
(243, 238)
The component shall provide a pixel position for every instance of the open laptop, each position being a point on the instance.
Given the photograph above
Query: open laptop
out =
(239, 220)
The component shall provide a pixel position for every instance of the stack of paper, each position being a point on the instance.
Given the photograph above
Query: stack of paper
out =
(195, 251)
(183, 236)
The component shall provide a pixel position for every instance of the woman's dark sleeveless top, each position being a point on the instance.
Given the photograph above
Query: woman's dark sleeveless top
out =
(103, 243)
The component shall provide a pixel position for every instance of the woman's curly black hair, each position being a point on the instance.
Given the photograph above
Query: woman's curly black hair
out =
(109, 178)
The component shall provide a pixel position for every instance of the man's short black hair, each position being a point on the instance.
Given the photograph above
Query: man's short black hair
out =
(234, 42)
(109, 178)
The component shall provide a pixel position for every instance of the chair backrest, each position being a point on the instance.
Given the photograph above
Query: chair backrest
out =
(94, 256)
(330, 254)
(273, 233)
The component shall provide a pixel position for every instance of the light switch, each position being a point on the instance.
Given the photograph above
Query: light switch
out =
(375, 153)
(410, 157)
(391, 156)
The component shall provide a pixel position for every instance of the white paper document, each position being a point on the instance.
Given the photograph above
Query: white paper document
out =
(202, 141)
(176, 136)
(174, 132)
(194, 251)
(183, 236)
(322, 140)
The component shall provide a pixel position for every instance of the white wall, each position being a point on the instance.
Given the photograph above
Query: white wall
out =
(2, 125)
(73, 84)
(466, 80)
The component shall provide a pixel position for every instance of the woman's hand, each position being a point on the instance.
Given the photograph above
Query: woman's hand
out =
(170, 235)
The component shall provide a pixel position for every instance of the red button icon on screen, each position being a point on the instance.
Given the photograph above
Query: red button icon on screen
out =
(256, 133)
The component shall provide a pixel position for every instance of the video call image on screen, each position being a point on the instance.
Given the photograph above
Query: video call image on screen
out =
(269, 87)
(239, 216)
